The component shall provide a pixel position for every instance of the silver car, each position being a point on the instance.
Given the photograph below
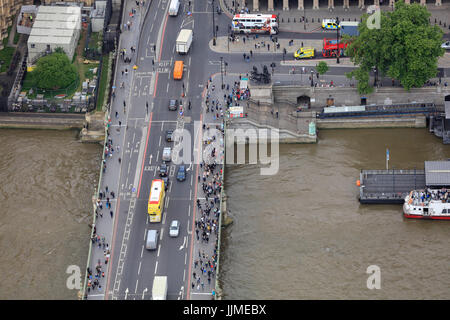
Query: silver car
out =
(446, 45)
(174, 229)
(167, 154)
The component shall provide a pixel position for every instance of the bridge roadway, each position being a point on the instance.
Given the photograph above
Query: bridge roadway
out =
(132, 268)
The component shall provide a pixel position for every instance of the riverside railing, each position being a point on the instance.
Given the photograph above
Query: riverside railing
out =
(94, 220)
(221, 210)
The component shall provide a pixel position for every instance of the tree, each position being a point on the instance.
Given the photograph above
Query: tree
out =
(54, 71)
(322, 68)
(405, 47)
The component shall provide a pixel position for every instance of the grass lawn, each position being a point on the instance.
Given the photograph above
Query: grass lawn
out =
(6, 55)
(103, 80)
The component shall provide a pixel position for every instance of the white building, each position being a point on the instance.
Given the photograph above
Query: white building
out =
(55, 26)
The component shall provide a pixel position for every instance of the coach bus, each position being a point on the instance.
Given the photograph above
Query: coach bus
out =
(156, 200)
(255, 23)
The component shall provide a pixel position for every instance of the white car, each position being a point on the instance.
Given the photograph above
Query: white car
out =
(174, 229)
(446, 45)
(167, 154)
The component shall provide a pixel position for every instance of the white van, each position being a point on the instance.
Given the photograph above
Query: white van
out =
(151, 243)
(174, 6)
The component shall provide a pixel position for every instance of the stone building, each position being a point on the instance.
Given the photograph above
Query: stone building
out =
(320, 4)
(8, 9)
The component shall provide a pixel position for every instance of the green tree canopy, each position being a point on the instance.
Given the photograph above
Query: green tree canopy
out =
(54, 71)
(322, 67)
(405, 47)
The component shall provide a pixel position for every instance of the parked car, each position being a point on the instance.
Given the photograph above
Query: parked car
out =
(173, 104)
(181, 174)
(174, 229)
(446, 45)
(167, 154)
(169, 135)
(163, 170)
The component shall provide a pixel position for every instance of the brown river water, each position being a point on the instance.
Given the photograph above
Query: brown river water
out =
(47, 180)
(300, 234)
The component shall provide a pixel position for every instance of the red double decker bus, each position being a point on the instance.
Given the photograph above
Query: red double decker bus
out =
(330, 46)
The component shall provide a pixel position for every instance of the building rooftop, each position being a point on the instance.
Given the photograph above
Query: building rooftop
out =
(437, 173)
(55, 24)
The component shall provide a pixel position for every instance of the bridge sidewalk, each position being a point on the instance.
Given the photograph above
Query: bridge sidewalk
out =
(110, 179)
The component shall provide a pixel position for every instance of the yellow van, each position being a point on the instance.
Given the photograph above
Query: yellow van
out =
(303, 53)
(178, 70)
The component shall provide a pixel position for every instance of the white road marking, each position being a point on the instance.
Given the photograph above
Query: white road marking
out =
(185, 258)
(150, 161)
(160, 138)
(182, 246)
(126, 294)
(167, 88)
(161, 234)
(142, 251)
(159, 248)
(135, 290)
(139, 269)
(156, 266)
(191, 179)
(143, 293)
(190, 194)
(189, 211)
(203, 293)
(157, 156)
(184, 275)
(167, 202)
(145, 232)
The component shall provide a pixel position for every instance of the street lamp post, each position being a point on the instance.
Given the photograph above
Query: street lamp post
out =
(221, 71)
(214, 25)
(312, 78)
(337, 40)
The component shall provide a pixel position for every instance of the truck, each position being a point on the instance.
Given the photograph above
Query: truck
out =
(184, 41)
(159, 291)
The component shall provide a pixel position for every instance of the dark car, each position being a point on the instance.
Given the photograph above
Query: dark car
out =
(181, 174)
(169, 135)
(163, 170)
(173, 104)
(166, 183)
